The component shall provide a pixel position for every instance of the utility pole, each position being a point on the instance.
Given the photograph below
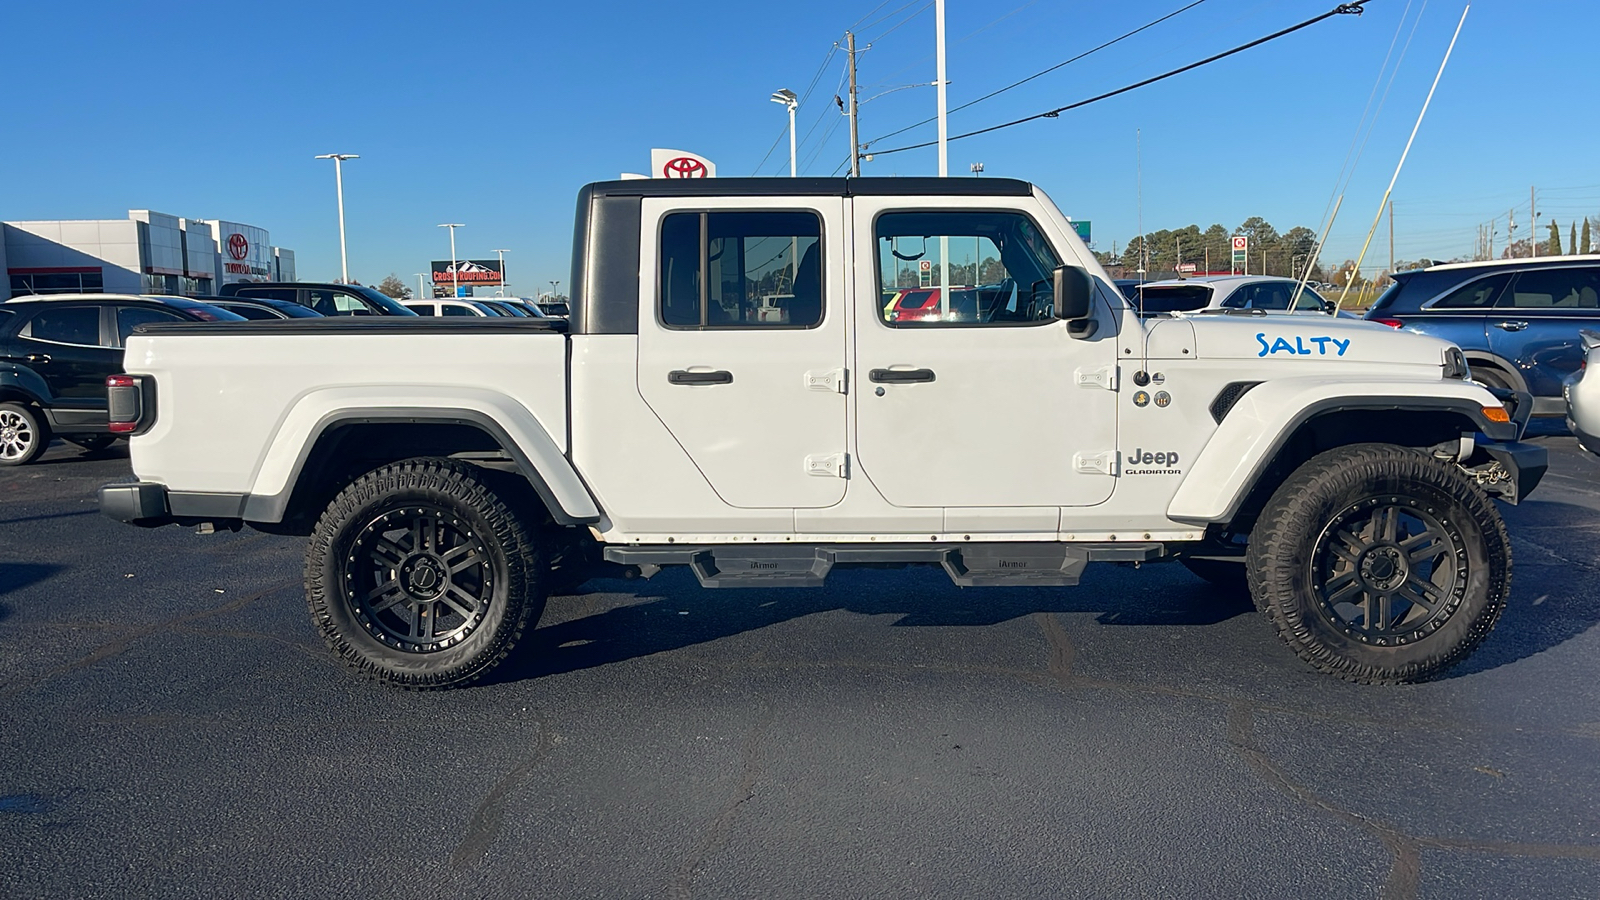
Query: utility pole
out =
(1391, 235)
(855, 135)
(1511, 232)
(1533, 219)
(1492, 223)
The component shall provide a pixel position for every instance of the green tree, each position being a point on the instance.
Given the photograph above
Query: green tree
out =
(1554, 248)
(1583, 243)
(1572, 241)
(392, 286)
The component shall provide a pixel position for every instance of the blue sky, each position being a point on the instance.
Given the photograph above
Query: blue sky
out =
(493, 114)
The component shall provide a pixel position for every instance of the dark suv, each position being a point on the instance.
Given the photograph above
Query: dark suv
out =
(1517, 320)
(55, 353)
(328, 299)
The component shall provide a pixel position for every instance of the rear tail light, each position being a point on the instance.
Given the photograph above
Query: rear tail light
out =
(1392, 323)
(125, 404)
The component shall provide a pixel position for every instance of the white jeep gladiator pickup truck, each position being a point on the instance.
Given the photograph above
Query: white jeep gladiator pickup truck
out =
(766, 379)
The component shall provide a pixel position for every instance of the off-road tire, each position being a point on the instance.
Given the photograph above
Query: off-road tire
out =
(1225, 576)
(395, 522)
(24, 434)
(1337, 525)
(91, 443)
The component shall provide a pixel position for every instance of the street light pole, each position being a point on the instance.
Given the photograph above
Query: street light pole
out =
(553, 289)
(420, 289)
(455, 275)
(788, 99)
(944, 128)
(502, 271)
(338, 180)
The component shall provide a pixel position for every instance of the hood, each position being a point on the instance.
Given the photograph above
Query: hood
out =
(1319, 338)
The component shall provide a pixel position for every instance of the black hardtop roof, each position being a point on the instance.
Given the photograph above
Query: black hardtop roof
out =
(810, 187)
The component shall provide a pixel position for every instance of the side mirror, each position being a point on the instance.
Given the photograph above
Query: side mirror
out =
(1074, 291)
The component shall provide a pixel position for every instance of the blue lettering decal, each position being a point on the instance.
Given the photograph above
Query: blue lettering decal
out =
(1300, 346)
(1262, 337)
(1322, 345)
(1342, 345)
(1281, 344)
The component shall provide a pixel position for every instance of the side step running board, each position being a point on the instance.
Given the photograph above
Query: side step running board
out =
(968, 565)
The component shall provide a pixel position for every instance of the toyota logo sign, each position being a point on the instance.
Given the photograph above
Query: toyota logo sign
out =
(238, 247)
(684, 167)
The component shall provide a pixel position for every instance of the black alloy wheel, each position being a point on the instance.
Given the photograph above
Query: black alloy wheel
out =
(1380, 564)
(420, 575)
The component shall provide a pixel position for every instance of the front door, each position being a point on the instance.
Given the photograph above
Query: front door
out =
(742, 344)
(973, 394)
(1536, 323)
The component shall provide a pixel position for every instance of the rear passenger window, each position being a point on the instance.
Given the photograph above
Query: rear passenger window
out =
(67, 325)
(1478, 294)
(288, 295)
(130, 317)
(1556, 289)
(966, 267)
(457, 311)
(741, 270)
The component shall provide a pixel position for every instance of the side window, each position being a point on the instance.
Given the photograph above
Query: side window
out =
(1273, 295)
(1309, 300)
(1478, 294)
(741, 270)
(249, 312)
(289, 295)
(1555, 289)
(423, 309)
(128, 317)
(1000, 269)
(335, 303)
(67, 325)
(453, 310)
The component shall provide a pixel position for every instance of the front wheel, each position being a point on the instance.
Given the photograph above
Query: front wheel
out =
(1380, 564)
(419, 575)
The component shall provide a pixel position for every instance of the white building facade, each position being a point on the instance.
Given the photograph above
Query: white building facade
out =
(147, 253)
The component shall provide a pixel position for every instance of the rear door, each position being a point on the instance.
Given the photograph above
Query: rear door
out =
(1535, 325)
(742, 343)
(66, 344)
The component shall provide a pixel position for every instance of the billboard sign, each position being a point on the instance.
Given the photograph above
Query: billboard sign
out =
(680, 164)
(468, 272)
(1083, 229)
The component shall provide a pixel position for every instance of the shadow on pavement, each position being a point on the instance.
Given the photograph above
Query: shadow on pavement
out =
(15, 576)
(658, 624)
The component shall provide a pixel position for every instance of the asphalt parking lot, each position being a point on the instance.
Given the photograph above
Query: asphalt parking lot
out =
(174, 728)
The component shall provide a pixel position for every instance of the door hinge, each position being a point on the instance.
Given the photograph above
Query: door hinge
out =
(834, 465)
(1104, 378)
(832, 381)
(1104, 462)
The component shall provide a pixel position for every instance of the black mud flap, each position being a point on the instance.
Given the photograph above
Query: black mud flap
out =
(1513, 471)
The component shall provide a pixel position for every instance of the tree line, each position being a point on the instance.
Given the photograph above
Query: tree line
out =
(1271, 252)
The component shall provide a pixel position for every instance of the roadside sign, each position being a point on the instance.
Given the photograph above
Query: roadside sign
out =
(1241, 243)
(1186, 268)
(1082, 228)
(925, 273)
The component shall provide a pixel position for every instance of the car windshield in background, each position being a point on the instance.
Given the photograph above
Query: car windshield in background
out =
(1171, 298)
(389, 305)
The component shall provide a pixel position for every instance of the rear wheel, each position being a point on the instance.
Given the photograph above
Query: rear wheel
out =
(419, 575)
(23, 434)
(1380, 564)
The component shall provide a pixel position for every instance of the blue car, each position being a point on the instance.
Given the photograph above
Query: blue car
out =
(1516, 320)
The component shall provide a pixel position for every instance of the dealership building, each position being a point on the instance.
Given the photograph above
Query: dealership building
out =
(146, 253)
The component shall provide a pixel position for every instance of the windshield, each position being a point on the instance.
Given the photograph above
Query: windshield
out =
(389, 305)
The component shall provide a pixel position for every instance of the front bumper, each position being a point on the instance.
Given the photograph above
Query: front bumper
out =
(1512, 469)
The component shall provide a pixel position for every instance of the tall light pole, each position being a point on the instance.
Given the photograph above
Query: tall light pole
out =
(422, 293)
(553, 289)
(455, 276)
(944, 128)
(338, 180)
(787, 98)
(502, 271)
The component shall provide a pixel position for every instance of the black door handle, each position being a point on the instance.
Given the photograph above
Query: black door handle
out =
(900, 376)
(680, 376)
(38, 357)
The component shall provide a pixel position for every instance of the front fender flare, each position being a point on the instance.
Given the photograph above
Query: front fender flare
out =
(1261, 422)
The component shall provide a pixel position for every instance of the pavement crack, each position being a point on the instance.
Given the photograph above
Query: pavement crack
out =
(681, 887)
(484, 825)
(1062, 654)
(134, 635)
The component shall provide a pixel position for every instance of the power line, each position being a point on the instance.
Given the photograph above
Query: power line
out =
(1038, 74)
(1342, 9)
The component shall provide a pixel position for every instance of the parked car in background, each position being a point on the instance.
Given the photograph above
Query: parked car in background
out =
(1264, 292)
(552, 306)
(56, 351)
(451, 308)
(528, 306)
(261, 307)
(1129, 286)
(1581, 391)
(327, 299)
(505, 308)
(1517, 320)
